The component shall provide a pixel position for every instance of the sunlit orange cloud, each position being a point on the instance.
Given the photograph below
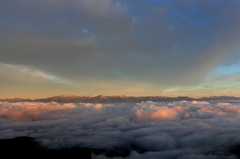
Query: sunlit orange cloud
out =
(161, 113)
(221, 108)
(29, 111)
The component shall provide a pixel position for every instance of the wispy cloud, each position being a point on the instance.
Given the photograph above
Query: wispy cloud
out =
(27, 71)
(151, 42)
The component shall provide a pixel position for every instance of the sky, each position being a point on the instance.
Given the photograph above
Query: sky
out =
(119, 47)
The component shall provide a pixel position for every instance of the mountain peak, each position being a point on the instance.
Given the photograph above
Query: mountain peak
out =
(120, 98)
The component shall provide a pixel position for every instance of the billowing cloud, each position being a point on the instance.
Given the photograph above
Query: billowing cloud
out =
(179, 130)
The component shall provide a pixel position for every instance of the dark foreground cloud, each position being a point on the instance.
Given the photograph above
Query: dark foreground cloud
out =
(177, 130)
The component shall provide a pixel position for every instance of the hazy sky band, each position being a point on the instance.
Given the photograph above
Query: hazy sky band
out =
(110, 47)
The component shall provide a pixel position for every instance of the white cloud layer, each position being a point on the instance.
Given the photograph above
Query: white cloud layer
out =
(178, 130)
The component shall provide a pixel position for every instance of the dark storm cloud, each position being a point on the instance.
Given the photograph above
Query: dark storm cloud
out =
(175, 42)
(178, 130)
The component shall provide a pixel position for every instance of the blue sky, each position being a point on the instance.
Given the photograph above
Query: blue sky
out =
(119, 47)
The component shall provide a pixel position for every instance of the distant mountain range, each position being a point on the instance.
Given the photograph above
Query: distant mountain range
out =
(113, 99)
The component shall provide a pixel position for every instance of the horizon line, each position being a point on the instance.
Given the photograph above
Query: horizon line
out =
(122, 96)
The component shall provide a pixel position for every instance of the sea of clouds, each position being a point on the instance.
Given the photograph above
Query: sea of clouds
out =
(176, 130)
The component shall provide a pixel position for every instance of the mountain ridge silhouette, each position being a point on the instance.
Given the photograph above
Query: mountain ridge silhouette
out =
(114, 99)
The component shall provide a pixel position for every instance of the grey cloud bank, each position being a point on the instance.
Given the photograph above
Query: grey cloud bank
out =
(176, 130)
